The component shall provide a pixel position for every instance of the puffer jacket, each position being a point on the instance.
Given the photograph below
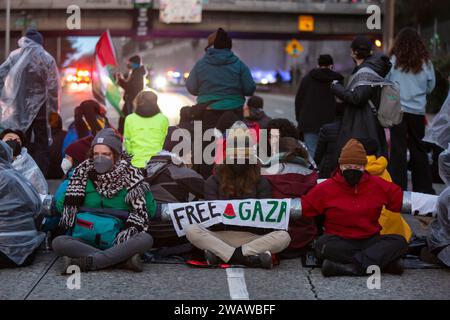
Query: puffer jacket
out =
(222, 77)
(391, 222)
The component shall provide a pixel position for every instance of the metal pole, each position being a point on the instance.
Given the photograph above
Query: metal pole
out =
(7, 28)
(389, 24)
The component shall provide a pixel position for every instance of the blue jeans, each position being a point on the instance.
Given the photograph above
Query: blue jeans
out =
(311, 140)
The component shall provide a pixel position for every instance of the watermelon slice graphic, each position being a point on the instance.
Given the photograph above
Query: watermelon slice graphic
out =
(229, 212)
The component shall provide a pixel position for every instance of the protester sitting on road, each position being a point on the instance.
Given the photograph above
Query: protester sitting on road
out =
(352, 201)
(390, 222)
(326, 147)
(171, 181)
(76, 153)
(288, 130)
(145, 129)
(19, 208)
(359, 120)
(89, 119)
(315, 104)
(438, 237)
(22, 160)
(251, 247)
(290, 176)
(56, 149)
(108, 182)
(221, 81)
(254, 112)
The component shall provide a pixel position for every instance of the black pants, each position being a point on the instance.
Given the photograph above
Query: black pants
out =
(409, 135)
(209, 120)
(37, 140)
(378, 250)
(127, 109)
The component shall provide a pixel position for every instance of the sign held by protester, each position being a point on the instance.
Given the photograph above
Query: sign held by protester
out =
(263, 213)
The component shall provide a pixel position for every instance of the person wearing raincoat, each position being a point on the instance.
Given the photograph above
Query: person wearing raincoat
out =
(438, 238)
(19, 208)
(23, 162)
(29, 87)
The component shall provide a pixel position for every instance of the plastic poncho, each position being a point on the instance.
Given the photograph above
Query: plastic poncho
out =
(439, 131)
(439, 234)
(25, 164)
(19, 206)
(29, 79)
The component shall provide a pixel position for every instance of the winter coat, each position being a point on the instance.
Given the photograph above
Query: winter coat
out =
(94, 200)
(213, 191)
(315, 104)
(292, 180)
(29, 79)
(20, 206)
(359, 121)
(133, 84)
(25, 164)
(221, 76)
(144, 134)
(414, 88)
(391, 222)
(352, 212)
(326, 149)
(171, 181)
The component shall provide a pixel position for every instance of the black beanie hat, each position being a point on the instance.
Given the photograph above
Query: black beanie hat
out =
(222, 41)
(34, 35)
(255, 102)
(325, 60)
(135, 59)
(362, 44)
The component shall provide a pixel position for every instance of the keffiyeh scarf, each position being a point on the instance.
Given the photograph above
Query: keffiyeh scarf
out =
(123, 176)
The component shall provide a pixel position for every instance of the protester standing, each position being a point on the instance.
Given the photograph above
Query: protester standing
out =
(56, 149)
(315, 104)
(132, 84)
(359, 119)
(30, 88)
(414, 72)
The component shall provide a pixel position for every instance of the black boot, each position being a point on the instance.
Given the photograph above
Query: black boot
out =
(211, 258)
(333, 269)
(262, 260)
(395, 267)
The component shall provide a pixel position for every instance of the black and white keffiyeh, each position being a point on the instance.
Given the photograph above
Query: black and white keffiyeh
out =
(123, 176)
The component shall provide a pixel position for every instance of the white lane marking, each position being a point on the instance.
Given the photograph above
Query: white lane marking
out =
(236, 284)
(278, 111)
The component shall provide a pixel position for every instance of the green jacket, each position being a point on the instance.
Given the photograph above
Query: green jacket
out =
(93, 199)
(144, 136)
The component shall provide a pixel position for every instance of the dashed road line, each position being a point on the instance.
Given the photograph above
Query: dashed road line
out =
(236, 284)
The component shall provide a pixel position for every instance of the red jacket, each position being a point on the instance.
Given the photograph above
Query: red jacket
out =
(352, 212)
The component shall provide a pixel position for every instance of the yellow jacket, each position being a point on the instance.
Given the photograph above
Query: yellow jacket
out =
(391, 222)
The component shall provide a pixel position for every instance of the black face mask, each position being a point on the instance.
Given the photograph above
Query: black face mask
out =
(15, 146)
(352, 176)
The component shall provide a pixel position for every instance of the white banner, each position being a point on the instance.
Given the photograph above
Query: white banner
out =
(266, 213)
(180, 11)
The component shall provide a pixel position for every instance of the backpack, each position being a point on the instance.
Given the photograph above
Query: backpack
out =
(390, 111)
(98, 230)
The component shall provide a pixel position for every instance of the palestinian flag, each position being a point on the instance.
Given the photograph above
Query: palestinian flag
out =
(104, 86)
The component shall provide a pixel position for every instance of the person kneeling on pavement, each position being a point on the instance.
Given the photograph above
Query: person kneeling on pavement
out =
(105, 183)
(352, 202)
(19, 210)
(251, 247)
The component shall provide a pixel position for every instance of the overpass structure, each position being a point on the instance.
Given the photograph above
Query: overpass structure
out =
(247, 19)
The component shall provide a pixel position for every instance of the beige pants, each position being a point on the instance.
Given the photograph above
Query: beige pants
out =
(223, 243)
